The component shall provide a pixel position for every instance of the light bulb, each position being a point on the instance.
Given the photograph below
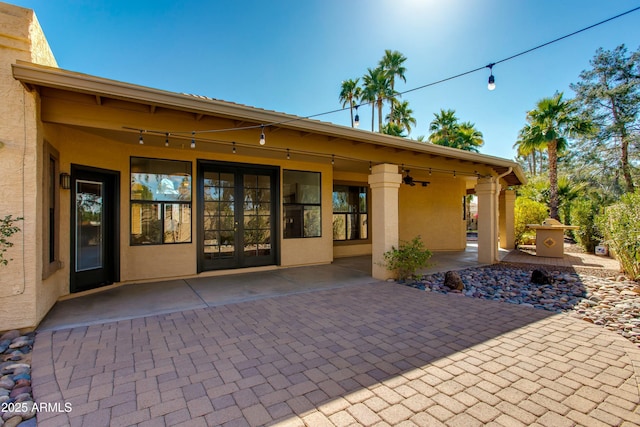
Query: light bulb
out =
(262, 139)
(492, 83)
(141, 140)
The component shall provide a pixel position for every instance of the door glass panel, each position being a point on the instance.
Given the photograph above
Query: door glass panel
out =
(257, 220)
(219, 216)
(89, 225)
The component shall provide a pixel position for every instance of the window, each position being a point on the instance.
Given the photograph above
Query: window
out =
(301, 198)
(350, 218)
(51, 212)
(160, 201)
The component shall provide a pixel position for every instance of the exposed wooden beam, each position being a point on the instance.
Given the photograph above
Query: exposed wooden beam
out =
(98, 100)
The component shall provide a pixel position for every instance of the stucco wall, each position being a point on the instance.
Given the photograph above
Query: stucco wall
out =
(143, 263)
(23, 295)
(435, 213)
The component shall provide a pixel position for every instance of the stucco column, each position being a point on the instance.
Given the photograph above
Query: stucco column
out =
(507, 219)
(487, 191)
(384, 182)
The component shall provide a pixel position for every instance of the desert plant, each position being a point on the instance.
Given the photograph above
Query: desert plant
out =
(7, 229)
(621, 226)
(583, 214)
(527, 211)
(407, 258)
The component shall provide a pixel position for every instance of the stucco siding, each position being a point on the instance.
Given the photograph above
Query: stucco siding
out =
(434, 213)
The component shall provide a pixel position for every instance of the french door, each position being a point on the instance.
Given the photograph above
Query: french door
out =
(94, 228)
(237, 218)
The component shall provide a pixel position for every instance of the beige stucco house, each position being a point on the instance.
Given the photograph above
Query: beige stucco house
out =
(120, 183)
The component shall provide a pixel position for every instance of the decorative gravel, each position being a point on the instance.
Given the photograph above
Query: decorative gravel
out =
(612, 302)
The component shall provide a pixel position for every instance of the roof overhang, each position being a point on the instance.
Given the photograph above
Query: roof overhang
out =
(32, 76)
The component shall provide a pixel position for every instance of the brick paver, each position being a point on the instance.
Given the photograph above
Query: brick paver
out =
(365, 354)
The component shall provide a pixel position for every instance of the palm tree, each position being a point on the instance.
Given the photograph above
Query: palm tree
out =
(469, 138)
(391, 63)
(378, 84)
(552, 122)
(394, 129)
(369, 91)
(526, 149)
(401, 115)
(444, 128)
(350, 94)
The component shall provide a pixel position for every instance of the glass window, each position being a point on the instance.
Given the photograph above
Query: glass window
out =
(350, 217)
(160, 201)
(302, 204)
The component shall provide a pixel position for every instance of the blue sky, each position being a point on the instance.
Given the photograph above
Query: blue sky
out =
(291, 56)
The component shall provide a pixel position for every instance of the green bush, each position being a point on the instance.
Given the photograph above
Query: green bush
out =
(407, 258)
(620, 225)
(527, 211)
(583, 214)
(7, 229)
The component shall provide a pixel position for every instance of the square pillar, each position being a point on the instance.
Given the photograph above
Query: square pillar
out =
(487, 191)
(507, 219)
(384, 182)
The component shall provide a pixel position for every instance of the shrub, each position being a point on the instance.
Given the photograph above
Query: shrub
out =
(527, 211)
(7, 229)
(407, 258)
(620, 225)
(583, 214)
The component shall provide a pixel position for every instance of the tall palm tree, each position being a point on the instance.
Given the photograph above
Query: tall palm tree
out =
(402, 115)
(378, 84)
(369, 91)
(350, 94)
(392, 64)
(529, 149)
(552, 122)
(444, 128)
(469, 138)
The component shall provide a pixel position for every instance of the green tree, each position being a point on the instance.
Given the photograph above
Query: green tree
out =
(552, 122)
(609, 96)
(402, 116)
(350, 94)
(529, 149)
(393, 129)
(469, 138)
(369, 91)
(444, 128)
(447, 131)
(378, 84)
(392, 64)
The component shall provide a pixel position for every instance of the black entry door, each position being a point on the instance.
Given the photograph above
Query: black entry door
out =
(94, 228)
(237, 215)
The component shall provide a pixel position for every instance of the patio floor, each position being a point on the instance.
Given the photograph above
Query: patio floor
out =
(347, 350)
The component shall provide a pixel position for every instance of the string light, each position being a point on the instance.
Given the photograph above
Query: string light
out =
(141, 140)
(193, 139)
(262, 138)
(166, 140)
(356, 119)
(333, 159)
(369, 166)
(288, 155)
(492, 80)
(234, 147)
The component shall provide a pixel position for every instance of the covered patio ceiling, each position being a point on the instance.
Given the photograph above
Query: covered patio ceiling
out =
(231, 124)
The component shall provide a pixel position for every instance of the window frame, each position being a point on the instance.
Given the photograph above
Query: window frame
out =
(367, 212)
(50, 211)
(161, 205)
(301, 207)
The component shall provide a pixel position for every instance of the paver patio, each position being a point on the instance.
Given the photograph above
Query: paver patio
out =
(365, 354)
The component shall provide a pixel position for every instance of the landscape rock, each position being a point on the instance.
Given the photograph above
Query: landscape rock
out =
(541, 277)
(453, 281)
